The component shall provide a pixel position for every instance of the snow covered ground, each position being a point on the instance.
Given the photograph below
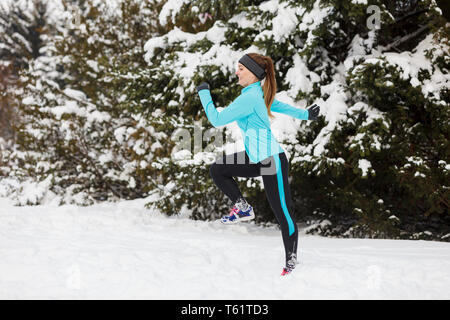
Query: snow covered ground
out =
(124, 251)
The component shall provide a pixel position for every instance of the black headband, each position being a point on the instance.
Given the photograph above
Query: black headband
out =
(253, 66)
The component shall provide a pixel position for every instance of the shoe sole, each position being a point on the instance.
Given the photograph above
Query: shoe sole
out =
(246, 218)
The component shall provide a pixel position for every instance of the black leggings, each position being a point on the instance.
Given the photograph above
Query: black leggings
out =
(274, 171)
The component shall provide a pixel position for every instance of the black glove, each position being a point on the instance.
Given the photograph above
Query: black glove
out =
(313, 112)
(202, 86)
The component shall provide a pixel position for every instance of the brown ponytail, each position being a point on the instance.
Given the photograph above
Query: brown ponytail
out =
(270, 84)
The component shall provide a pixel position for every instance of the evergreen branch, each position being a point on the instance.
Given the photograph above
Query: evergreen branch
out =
(405, 38)
(86, 103)
(409, 15)
(94, 166)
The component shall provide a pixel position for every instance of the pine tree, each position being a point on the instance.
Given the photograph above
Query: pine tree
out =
(342, 173)
(83, 124)
(111, 110)
(23, 26)
(382, 173)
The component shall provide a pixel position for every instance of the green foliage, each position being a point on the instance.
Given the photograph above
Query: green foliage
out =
(82, 111)
(22, 35)
(196, 194)
(21, 30)
(402, 135)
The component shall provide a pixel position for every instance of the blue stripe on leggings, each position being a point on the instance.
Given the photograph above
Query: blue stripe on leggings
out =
(282, 198)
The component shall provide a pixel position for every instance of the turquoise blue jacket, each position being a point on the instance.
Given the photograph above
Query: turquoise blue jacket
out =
(250, 112)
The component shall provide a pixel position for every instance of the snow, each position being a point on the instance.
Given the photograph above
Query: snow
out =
(364, 165)
(171, 8)
(75, 94)
(409, 64)
(415, 82)
(29, 101)
(121, 250)
(215, 34)
(334, 109)
(284, 21)
(313, 19)
(297, 76)
(97, 116)
(187, 63)
(71, 107)
(242, 20)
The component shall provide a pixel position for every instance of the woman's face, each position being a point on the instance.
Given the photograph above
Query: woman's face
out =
(245, 76)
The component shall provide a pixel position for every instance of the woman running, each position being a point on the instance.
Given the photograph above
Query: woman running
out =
(263, 156)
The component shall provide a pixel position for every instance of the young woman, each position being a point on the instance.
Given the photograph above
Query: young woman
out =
(263, 156)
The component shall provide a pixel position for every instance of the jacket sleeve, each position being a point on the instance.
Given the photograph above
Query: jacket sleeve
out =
(241, 107)
(280, 107)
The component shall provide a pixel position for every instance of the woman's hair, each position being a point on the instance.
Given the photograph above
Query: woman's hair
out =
(270, 84)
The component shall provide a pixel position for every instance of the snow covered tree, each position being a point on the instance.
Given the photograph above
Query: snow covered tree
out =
(343, 55)
(83, 105)
(110, 111)
(23, 26)
(390, 105)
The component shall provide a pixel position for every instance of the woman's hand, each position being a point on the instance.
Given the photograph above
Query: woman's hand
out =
(313, 112)
(203, 85)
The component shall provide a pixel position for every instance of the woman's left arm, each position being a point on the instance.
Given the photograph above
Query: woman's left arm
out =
(281, 107)
(311, 113)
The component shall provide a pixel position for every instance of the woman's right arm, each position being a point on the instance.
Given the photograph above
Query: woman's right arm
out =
(239, 108)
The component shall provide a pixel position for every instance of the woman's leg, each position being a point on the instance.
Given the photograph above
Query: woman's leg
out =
(279, 195)
(233, 165)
